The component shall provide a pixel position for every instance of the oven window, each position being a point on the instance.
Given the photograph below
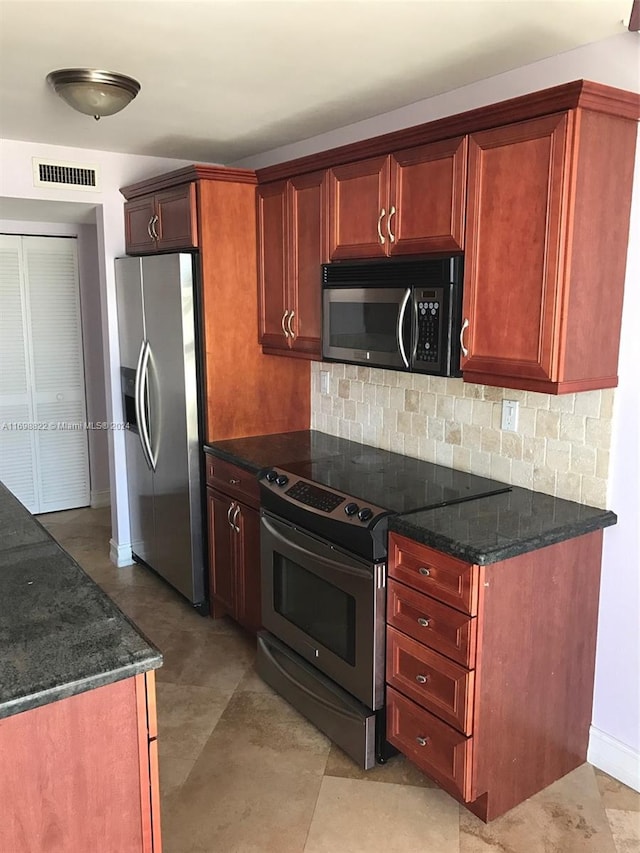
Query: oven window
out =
(370, 326)
(323, 611)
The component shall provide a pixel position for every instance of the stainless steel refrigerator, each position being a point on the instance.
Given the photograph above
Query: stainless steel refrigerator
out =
(157, 316)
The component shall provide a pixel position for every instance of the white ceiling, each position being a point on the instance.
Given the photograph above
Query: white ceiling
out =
(224, 80)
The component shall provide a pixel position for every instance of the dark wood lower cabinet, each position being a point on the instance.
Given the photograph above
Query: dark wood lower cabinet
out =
(234, 559)
(495, 706)
(81, 774)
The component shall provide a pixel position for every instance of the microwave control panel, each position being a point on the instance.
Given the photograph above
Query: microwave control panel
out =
(430, 309)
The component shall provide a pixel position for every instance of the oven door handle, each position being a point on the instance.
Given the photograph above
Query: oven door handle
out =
(334, 565)
(320, 700)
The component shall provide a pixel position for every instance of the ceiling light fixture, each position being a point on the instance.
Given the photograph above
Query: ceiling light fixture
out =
(94, 93)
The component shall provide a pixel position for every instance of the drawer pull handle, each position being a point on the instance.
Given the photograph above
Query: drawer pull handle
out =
(233, 481)
(422, 679)
(424, 571)
(424, 622)
(423, 741)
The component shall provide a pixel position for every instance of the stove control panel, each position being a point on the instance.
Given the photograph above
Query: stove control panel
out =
(317, 498)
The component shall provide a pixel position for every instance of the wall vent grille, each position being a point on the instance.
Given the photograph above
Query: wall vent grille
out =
(47, 173)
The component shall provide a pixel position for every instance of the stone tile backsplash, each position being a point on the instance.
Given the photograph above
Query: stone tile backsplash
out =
(561, 446)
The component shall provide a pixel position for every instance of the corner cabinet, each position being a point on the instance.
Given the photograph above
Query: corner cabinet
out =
(490, 668)
(234, 543)
(546, 240)
(292, 244)
(409, 202)
(164, 221)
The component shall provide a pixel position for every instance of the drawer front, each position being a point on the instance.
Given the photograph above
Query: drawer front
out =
(446, 630)
(233, 480)
(438, 750)
(431, 680)
(438, 575)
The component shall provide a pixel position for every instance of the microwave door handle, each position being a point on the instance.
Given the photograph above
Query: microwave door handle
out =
(400, 329)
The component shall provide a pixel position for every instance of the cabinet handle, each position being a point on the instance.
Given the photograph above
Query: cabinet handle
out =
(422, 679)
(380, 234)
(234, 520)
(229, 511)
(424, 622)
(154, 230)
(282, 322)
(149, 231)
(423, 741)
(424, 571)
(392, 236)
(465, 325)
(289, 321)
(233, 481)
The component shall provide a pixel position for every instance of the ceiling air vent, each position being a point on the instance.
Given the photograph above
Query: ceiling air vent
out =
(47, 174)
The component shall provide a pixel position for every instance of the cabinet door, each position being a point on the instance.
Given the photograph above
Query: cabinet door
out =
(426, 211)
(308, 249)
(176, 225)
(137, 225)
(358, 209)
(272, 266)
(513, 260)
(248, 589)
(221, 555)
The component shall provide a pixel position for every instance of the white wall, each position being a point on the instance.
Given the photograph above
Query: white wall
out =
(116, 170)
(87, 248)
(615, 737)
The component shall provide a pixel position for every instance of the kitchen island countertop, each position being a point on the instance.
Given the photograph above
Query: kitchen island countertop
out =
(60, 634)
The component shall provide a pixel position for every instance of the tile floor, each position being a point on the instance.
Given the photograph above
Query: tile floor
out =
(242, 772)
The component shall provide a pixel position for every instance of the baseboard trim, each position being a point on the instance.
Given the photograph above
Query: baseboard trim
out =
(120, 555)
(100, 499)
(614, 757)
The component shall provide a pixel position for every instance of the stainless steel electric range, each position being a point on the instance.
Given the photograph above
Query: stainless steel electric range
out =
(323, 558)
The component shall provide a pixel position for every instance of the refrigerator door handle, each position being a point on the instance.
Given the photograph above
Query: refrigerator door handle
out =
(143, 425)
(139, 405)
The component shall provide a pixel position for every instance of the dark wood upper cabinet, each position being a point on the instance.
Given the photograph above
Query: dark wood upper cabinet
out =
(427, 195)
(358, 209)
(164, 221)
(272, 266)
(292, 245)
(410, 202)
(546, 238)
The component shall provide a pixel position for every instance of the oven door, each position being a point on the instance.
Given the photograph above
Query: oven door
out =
(326, 605)
(367, 325)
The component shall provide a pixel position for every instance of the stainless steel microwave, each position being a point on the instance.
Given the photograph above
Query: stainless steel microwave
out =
(403, 315)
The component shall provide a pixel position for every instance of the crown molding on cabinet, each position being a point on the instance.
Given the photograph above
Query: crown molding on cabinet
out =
(579, 93)
(196, 172)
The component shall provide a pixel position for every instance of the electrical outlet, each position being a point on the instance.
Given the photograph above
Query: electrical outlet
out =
(324, 381)
(510, 415)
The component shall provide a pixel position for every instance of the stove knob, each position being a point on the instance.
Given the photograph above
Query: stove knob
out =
(271, 476)
(282, 480)
(365, 514)
(351, 509)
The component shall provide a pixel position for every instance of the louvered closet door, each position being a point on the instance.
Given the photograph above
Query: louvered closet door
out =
(51, 328)
(17, 442)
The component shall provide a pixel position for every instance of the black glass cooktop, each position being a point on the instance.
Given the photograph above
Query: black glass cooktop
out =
(390, 480)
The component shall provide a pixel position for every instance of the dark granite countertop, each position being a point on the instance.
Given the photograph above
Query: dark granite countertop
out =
(60, 634)
(283, 448)
(497, 527)
(477, 525)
